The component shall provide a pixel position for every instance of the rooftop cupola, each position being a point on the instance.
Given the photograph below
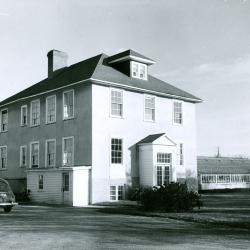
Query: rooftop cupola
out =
(131, 63)
(56, 60)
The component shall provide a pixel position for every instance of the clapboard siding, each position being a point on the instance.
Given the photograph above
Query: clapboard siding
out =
(145, 165)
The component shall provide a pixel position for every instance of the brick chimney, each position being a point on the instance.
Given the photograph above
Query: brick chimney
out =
(56, 61)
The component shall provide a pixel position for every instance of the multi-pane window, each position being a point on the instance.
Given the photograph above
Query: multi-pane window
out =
(35, 113)
(116, 151)
(116, 103)
(163, 169)
(223, 178)
(50, 153)
(139, 70)
(68, 104)
(208, 178)
(23, 156)
(51, 109)
(178, 117)
(4, 120)
(3, 157)
(149, 105)
(68, 151)
(24, 115)
(180, 154)
(65, 183)
(116, 193)
(40, 182)
(34, 154)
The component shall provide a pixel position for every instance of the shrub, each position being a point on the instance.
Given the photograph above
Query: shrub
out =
(173, 197)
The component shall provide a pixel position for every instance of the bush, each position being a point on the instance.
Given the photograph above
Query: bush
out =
(173, 197)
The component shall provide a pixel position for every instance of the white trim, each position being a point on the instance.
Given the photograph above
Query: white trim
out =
(31, 143)
(73, 149)
(20, 162)
(182, 112)
(46, 107)
(33, 101)
(110, 150)
(114, 84)
(136, 58)
(46, 155)
(21, 120)
(144, 107)
(132, 63)
(72, 117)
(110, 102)
(1, 168)
(1, 121)
(117, 191)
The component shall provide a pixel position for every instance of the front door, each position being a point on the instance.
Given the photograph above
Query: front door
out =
(65, 188)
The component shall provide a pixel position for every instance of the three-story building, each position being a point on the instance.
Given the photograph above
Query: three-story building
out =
(90, 130)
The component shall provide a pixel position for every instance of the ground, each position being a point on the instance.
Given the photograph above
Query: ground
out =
(57, 227)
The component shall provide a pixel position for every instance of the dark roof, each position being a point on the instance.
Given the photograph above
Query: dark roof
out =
(97, 68)
(223, 165)
(128, 52)
(150, 138)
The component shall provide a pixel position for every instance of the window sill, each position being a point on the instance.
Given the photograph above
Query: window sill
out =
(68, 118)
(5, 131)
(152, 121)
(48, 123)
(118, 117)
(23, 125)
(33, 126)
(3, 169)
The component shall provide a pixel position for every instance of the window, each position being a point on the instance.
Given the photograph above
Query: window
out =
(180, 155)
(163, 168)
(178, 118)
(65, 182)
(116, 103)
(4, 120)
(149, 105)
(34, 154)
(68, 104)
(24, 114)
(116, 151)
(3, 157)
(208, 178)
(68, 151)
(23, 156)
(40, 182)
(35, 113)
(51, 109)
(116, 193)
(223, 178)
(50, 149)
(139, 70)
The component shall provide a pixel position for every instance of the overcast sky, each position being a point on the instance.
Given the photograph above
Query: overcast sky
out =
(200, 46)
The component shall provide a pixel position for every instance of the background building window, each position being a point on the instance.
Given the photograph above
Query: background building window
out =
(116, 192)
(24, 113)
(35, 113)
(51, 109)
(34, 154)
(178, 118)
(4, 120)
(40, 182)
(68, 151)
(116, 103)
(23, 156)
(50, 153)
(3, 157)
(68, 104)
(149, 108)
(116, 151)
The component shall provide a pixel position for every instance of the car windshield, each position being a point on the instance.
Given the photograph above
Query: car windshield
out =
(4, 187)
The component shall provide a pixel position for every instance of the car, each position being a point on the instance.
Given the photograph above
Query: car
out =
(7, 197)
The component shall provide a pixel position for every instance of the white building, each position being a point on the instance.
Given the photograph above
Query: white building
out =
(90, 130)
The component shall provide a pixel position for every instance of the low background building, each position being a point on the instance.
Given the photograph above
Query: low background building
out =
(223, 172)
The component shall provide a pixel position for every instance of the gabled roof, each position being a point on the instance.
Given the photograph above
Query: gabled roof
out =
(96, 70)
(150, 138)
(223, 165)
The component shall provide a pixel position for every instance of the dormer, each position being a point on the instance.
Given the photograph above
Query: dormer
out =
(131, 63)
